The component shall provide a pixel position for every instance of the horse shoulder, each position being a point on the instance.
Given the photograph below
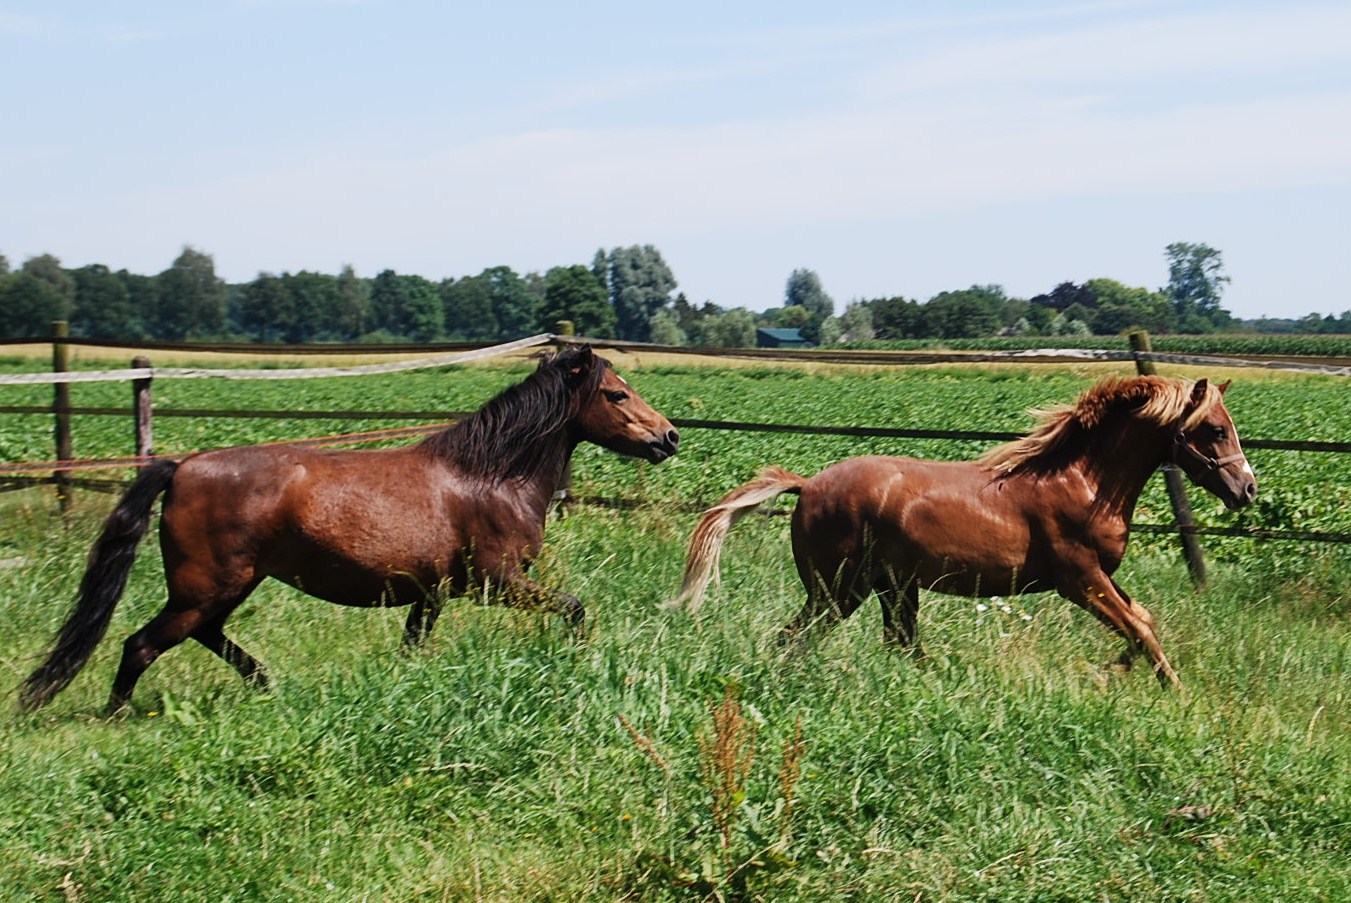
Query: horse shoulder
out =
(1065, 510)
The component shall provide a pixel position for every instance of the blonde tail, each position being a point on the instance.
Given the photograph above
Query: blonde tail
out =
(701, 565)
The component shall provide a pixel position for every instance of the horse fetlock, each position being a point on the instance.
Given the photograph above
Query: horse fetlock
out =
(573, 612)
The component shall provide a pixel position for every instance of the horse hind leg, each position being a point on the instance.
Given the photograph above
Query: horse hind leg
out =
(140, 650)
(900, 613)
(828, 603)
(176, 622)
(212, 636)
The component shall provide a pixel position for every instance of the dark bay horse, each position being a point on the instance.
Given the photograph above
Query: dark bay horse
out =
(461, 511)
(1050, 511)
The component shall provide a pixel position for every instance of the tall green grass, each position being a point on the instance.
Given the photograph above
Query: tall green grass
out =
(508, 761)
(669, 757)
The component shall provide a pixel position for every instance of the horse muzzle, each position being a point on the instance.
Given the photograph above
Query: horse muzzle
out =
(664, 446)
(1243, 495)
(1235, 486)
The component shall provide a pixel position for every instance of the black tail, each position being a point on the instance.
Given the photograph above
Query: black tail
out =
(104, 579)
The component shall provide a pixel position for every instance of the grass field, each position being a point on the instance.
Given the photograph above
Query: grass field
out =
(666, 757)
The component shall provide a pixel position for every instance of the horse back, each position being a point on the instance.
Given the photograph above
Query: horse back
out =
(954, 526)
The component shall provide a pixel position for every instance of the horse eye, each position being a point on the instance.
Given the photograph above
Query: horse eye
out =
(616, 395)
(1219, 434)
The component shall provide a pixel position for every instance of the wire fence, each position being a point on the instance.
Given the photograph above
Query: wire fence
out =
(16, 475)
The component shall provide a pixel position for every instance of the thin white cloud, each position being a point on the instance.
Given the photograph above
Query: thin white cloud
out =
(1215, 44)
(902, 162)
(21, 26)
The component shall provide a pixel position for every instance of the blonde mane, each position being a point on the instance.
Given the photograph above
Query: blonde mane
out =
(1153, 399)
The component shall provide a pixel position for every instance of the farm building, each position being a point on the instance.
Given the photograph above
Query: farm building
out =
(780, 338)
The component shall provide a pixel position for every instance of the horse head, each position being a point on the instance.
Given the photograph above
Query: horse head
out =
(1207, 449)
(614, 416)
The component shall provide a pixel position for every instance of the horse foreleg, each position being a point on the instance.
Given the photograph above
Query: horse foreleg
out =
(521, 592)
(1115, 608)
(212, 636)
(421, 619)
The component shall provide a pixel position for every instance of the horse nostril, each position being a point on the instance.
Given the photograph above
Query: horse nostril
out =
(1250, 490)
(672, 438)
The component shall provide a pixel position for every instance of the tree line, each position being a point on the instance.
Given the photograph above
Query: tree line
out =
(625, 293)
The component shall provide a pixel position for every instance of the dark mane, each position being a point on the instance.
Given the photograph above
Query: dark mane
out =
(1063, 430)
(523, 430)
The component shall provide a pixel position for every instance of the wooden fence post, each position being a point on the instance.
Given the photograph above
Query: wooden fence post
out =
(563, 491)
(61, 412)
(1177, 487)
(140, 399)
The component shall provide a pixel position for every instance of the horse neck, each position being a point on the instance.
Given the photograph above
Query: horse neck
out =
(534, 466)
(1118, 463)
(540, 485)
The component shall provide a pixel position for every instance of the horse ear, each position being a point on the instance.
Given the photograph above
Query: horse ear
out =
(581, 365)
(1224, 386)
(1199, 391)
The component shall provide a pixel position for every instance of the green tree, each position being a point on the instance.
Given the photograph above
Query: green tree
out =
(970, 313)
(424, 316)
(639, 284)
(804, 290)
(143, 296)
(1063, 295)
(266, 310)
(515, 306)
(895, 318)
(387, 303)
(352, 312)
(40, 292)
(574, 293)
(27, 307)
(733, 328)
(103, 306)
(407, 306)
(793, 316)
(1118, 308)
(686, 313)
(191, 299)
(468, 307)
(666, 328)
(47, 269)
(314, 303)
(856, 323)
(1196, 281)
(828, 331)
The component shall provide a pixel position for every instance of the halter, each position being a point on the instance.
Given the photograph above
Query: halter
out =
(1181, 447)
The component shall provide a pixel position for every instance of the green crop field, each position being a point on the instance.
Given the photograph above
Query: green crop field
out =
(671, 757)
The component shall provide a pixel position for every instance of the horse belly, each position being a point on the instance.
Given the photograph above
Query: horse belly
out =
(365, 587)
(377, 564)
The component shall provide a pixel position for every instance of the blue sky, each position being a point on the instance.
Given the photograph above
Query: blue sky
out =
(895, 149)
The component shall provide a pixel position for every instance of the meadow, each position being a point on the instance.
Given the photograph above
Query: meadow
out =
(670, 757)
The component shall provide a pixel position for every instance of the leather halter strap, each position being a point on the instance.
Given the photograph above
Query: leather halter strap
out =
(1183, 448)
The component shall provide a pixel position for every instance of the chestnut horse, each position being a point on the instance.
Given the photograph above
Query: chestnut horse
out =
(1050, 511)
(461, 511)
